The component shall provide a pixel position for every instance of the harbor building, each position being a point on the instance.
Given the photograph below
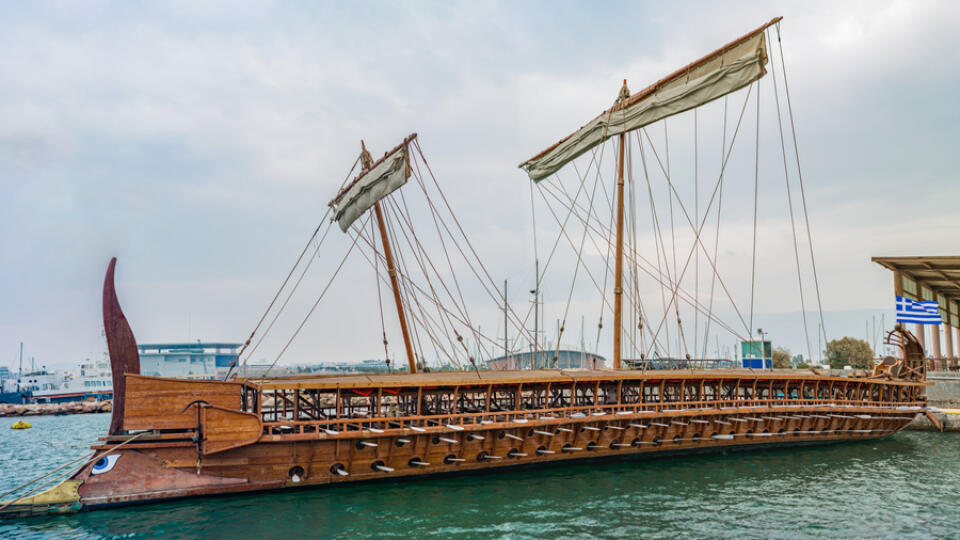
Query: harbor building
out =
(566, 358)
(191, 360)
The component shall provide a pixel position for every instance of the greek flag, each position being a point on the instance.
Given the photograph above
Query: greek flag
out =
(912, 311)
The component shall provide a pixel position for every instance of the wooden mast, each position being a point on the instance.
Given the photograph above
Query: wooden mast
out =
(618, 274)
(391, 268)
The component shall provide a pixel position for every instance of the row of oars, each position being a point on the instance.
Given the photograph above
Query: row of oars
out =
(457, 427)
(644, 426)
(514, 453)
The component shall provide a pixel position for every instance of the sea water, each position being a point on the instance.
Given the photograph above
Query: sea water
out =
(904, 486)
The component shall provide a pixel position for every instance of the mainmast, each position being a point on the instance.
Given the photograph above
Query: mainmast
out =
(725, 70)
(618, 274)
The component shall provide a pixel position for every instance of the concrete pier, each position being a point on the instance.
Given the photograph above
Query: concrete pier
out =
(943, 395)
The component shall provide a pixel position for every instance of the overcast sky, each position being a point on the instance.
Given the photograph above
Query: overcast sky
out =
(200, 142)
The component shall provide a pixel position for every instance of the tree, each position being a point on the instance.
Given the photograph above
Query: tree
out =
(848, 351)
(782, 357)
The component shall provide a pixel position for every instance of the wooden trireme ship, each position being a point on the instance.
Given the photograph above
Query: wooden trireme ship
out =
(172, 438)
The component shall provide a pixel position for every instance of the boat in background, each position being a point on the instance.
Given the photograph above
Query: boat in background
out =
(93, 382)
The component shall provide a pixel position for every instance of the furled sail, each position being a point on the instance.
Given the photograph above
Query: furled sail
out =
(726, 70)
(379, 180)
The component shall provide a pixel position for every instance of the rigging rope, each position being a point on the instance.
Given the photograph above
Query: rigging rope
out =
(314, 307)
(605, 233)
(696, 216)
(233, 364)
(496, 297)
(658, 239)
(803, 196)
(405, 275)
(563, 232)
(462, 306)
(716, 241)
(793, 226)
(673, 236)
(385, 280)
(698, 229)
(756, 206)
(383, 323)
(576, 269)
(286, 279)
(283, 306)
(663, 263)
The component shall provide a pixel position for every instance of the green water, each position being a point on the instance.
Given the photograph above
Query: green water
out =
(904, 486)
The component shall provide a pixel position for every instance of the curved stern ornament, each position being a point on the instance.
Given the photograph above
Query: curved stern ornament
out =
(124, 357)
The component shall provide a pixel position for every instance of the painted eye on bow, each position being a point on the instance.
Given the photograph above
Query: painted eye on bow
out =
(105, 464)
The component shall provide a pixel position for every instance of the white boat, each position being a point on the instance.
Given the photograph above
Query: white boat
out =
(93, 380)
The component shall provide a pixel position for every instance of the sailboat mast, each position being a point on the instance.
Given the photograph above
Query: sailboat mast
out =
(392, 270)
(618, 273)
(536, 314)
(20, 369)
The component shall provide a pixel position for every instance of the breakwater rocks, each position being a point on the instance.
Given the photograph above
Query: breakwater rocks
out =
(39, 409)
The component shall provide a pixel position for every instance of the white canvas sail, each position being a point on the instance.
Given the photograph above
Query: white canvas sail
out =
(717, 74)
(382, 179)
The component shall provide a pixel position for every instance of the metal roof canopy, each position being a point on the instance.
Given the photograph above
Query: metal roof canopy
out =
(928, 278)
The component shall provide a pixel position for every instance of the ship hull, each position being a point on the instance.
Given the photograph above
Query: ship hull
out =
(154, 471)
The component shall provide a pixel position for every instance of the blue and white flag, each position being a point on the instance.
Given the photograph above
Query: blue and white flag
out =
(912, 311)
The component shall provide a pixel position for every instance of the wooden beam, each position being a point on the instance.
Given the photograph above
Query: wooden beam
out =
(392, 270)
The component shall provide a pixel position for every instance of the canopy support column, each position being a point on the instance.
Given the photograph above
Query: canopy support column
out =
(935, 345)
(948, 340)
(392, 270)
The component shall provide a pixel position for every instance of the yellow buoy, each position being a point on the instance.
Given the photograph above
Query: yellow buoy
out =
(20, 424)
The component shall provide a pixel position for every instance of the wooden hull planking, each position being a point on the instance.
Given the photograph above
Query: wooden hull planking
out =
(212, 438)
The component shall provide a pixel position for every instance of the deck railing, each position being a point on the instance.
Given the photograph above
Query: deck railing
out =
(451, 422)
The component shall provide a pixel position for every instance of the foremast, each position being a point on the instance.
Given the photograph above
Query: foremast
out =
(376, 181)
